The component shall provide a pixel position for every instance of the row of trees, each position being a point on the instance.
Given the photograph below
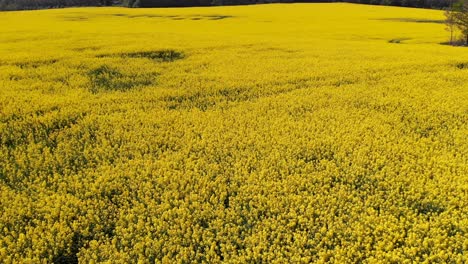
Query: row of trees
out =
(38, 4)
(438, 4)
(185, 3)
(457, 20)
(178, 3)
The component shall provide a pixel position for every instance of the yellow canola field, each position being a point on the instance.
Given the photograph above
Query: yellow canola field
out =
(284, 133)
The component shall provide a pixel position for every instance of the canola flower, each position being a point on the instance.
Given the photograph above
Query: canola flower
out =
(325, 133)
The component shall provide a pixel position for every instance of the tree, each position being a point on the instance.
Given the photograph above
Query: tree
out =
(450, 21)
(457, 18)
(106, 2)
(461, 18)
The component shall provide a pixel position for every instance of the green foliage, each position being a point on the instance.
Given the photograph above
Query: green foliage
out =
(179, 3)
(37, 4)
(461, 18)
(457, 18)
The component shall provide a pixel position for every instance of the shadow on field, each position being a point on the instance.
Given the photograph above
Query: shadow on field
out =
(458, 43)
(157, 55)
(35, 64)
(413, 20)
(427, 207)
(75, 18)
(174, 17)
(398, 40)
(66, 259)
(162, 55)
(106, 78)
(82, 49)
(462, 65)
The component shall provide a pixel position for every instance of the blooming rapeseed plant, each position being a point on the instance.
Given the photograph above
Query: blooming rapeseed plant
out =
(262, 134)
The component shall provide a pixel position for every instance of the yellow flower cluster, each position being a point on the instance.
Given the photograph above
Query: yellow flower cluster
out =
(326, 133)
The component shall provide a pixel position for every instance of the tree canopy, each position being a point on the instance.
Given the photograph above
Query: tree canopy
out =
(37, 4)
(176, 3)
